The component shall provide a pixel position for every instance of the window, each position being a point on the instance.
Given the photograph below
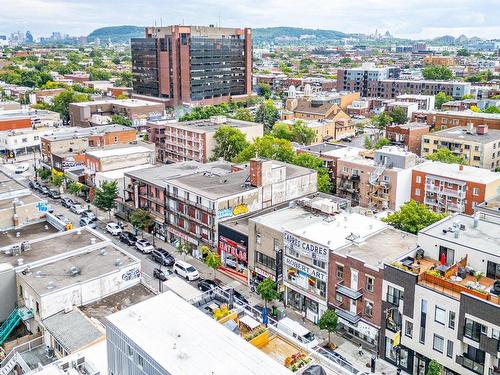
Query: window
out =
(140, 361)
(472, 329)
(319, 263)
(387, 178)
(130, 351)
(440, 315)
(369, 308)
(370, 284)
(265, 260)
(116, 139)
(393, 295)
(438, 343)
(37, 307)
(449, 349)
(423, 320)
(409, 329)
(417, 192)
(258, 238)
(451, 320)
(467, 147)
(345, 170)
(20, 291)
(338, 297)
(418, 179)
(475, 192)
(476, 148)
(340, 271)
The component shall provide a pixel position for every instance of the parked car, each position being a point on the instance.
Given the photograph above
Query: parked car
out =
(144, 246)
(239, 298)
(162, 275)
(77, 209)
(86, 222)
(113, 228)
(206, 284)
(163, 257)
(21, 168)
(44, 190)
(186, 270)
(64, 219)
(89, 215)
(54, 194)
(34, 185)
(231, 261)
(67, 202)
(128, 238)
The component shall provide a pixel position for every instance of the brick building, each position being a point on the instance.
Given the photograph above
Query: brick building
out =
(408, 135)
(10, 122)
(452, 187)
(194, 140)
(448, 119)
(192, 64)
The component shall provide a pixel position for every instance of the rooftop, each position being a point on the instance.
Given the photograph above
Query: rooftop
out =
(27, 233)
(78, 268)
(322, 148)
(122, 151)
(73, 330)
(457, 172)
(118, 102)
(22, 200)
(467, 113)
(410, 125)
(76, 132)
(460, 133)
(203, 346)
(204, 126)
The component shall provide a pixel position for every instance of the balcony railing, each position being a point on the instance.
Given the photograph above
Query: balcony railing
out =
(472, 365)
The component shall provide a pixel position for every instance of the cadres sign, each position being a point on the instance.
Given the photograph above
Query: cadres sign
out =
(308, 249)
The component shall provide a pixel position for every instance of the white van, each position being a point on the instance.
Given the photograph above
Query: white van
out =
(186, 270)
(298, 332)
(21, 168)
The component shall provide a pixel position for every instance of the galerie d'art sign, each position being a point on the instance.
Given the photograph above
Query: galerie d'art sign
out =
(235, 211)
(309, 249)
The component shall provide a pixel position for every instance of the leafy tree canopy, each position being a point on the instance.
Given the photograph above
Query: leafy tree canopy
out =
(444, 155)
(438, 72)
(106, 195)
(230, 142)
(267, 147)
(267, 114)
(267, 289)
(441, 98)
(412, 217)
(399, 116)
(328, 322)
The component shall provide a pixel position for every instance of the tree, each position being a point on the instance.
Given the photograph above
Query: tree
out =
(492, 109)
(105, 196)
(438, 72)
(463, 52)
(99, 74)
(44, 174)
(345, 60)
(328, 322)
(307, 160)
(375, 145)
(75, 188)
(434, 368)
(302, 133)
(230, 142)
(212, 259)
(61, 102)
(244, 114)
(141, 219)
(399, 116)
(267, 114)
(441, 98)
(57, 179)
(121, 120)
(381, 120)
(184, 248)
(267, 289)
(412, 217)
(444, 155)
(268, 147)
(282, 131)
(264, 90)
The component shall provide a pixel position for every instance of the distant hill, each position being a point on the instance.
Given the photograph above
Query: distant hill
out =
(292, 35)
(275, 35)
(117, 34)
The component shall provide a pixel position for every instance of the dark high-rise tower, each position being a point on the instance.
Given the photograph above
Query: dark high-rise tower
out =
(192, 64)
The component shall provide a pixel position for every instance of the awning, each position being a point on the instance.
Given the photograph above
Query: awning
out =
(348, 292)
(347, 315)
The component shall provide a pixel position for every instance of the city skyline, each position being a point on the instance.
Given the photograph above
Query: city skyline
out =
(411, 19)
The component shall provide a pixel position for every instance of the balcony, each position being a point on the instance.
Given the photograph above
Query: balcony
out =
(470, 364)
(348, 292)
(455, 207)
(352, 318)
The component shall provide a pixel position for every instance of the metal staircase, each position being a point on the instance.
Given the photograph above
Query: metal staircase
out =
(374, 176)
(12, 321)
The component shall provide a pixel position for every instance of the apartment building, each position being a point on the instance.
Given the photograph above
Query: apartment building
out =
(381, 181)
(364, 79)
(426, 102)
(407, 135)
(407, 107)
(188, 200)
(88, 114)
(195, 65)
(439, 60)
(23, 119)
(448, 119)
(452, 187)
(194, 140)
(441, 300)
(479, 147)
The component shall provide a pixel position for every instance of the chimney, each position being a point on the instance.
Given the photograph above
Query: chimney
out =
(482, 129)
(256, 172)
(460, 167)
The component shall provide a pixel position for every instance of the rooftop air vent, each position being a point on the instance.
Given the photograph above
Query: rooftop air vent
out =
(73, 271)
(51, 285)
(118, 262)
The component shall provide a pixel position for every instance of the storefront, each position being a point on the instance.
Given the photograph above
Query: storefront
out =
(361, 330)
(176, 237)
(233, 247)
(400, 356)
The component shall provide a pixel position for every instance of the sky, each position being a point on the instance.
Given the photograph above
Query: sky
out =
(416, 19)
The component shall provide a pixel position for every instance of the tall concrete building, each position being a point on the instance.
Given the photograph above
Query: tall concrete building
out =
(196, 65)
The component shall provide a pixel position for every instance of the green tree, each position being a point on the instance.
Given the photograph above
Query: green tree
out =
(184, 248)
(434, 368)
(268, 147)
(99, 74)
(463, 52)
(467, 96)
(381, 120)
(307, 160)
(267, 289)
(141, 219)
(412, 217)
(399, 116)
(328, 322)
(377, 144)
(230, 142)
(125, 79)
(345, 60)
(244, 114)
(44, 174)
(121, 120)
(105, 196)
(264, 90)
(492, 109)
(302, 133)
(75, 188)
(282, 130)
(57, 179)
(212, 259)
(441, 98)
(438, 72)
(444, 155)
(62, 101)
(267, 114)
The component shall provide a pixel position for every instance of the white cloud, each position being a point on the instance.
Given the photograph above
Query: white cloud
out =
(406, 18)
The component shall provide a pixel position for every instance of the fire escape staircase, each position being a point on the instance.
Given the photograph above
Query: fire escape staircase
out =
(12, 322)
